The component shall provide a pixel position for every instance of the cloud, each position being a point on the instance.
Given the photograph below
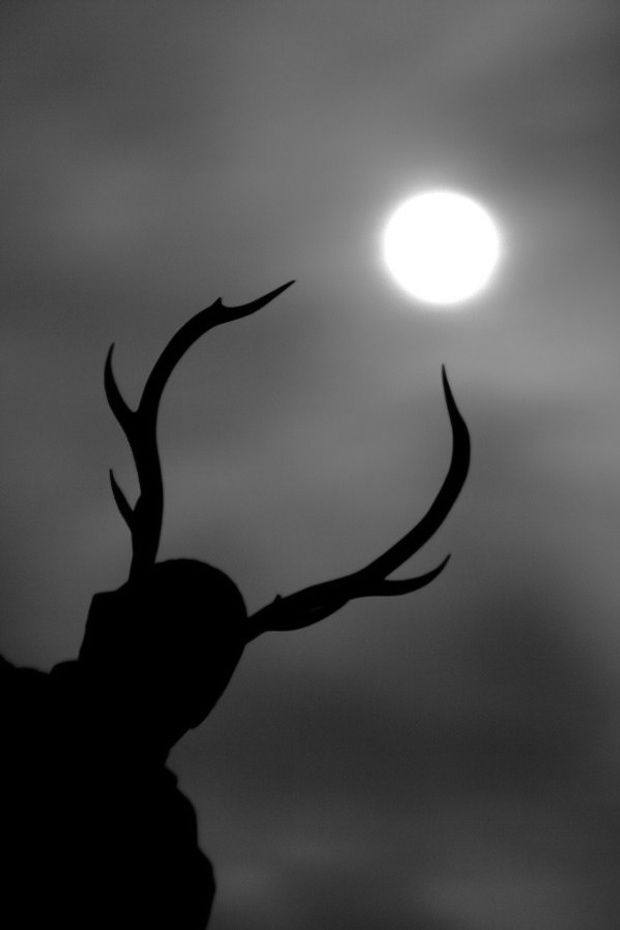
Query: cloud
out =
(406, 763)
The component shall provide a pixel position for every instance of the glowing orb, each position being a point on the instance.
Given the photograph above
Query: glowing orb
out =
(442, 247)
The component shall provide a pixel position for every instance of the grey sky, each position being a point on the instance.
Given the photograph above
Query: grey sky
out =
(448, 761)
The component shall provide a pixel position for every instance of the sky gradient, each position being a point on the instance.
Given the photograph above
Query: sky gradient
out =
(448, 760)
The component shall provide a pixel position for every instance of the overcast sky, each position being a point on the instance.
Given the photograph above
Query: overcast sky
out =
(445, 761)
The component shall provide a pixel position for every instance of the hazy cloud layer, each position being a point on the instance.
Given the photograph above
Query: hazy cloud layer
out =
(449, 761)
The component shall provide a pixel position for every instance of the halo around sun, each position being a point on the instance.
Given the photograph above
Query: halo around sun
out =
(441, 246)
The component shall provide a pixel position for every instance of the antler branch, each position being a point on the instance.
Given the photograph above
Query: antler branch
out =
(140, 426)
(318, 601)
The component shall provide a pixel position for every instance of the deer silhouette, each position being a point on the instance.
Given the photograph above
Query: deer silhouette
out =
(95, 830)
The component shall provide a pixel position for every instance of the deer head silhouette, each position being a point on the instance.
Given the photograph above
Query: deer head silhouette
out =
(168, 641)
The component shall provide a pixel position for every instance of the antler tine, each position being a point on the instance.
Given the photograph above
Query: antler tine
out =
(316, 602)
(187, 335)
(445, 498)
(140, 426)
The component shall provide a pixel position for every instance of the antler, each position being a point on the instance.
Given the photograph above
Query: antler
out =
(140, 426)
(318, 601)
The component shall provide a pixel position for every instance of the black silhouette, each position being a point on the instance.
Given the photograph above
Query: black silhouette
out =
(95, 832)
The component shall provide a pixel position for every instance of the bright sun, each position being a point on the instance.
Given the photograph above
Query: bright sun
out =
(442, 247)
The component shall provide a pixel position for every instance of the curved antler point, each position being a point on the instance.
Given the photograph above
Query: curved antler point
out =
(140, 424)
(121, 501)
